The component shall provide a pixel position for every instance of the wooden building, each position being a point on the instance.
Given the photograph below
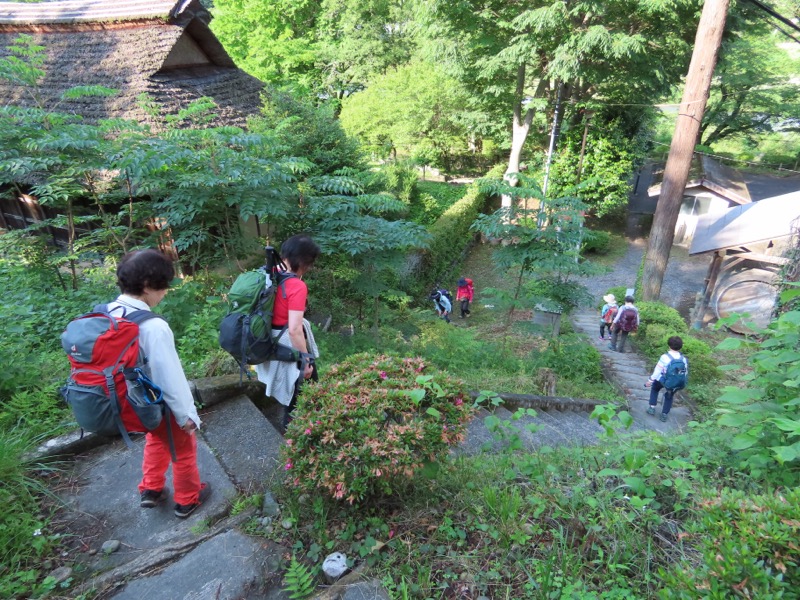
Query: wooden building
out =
(162, 48)
(748, 243)
(712, 188)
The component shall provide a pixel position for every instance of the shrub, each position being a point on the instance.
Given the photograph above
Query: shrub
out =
(451, 234)
(651, 313)
(747, 545)
(572, 359)
(373, 424)
(596, 242)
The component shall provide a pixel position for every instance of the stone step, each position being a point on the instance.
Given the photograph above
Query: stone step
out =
(228, 565)
(244, 441)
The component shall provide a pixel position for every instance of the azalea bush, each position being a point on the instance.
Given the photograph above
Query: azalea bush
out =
(371, 425)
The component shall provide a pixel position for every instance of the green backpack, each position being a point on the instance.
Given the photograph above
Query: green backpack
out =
(246, 331)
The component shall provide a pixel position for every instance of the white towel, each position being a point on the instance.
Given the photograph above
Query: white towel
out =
(280, 376)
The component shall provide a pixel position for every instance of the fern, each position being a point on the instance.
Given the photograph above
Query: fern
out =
(298, 581)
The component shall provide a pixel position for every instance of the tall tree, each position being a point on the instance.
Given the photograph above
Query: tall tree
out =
(676, 172)
(412, 108)
(273, 40)
(754, 89)
(524, 53)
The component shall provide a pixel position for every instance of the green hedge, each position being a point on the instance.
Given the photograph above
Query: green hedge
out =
(450, 235)
(659, 322)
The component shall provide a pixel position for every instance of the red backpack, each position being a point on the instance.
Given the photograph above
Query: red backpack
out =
(610, 314)
(109, 389)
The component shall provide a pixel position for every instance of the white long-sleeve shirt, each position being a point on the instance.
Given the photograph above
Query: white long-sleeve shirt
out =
(663, 362)
(158, 344)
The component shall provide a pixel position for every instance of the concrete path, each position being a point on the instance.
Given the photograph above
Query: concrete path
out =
(628, 372)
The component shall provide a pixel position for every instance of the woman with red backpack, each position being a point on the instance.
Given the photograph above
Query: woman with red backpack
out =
(464, 294)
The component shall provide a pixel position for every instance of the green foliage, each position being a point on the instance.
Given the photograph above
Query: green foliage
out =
(763, 416)
(652, 313)
(450, 234)
(538, 236)
(747, 546)
(596, 241)
(308, 130)
(751, 95)
(298, 581)
(610, 158)
(422, 120)
(572, 359)
(434, 198)
(35, 308)
(374, 423)
(401, 180)
(24, 535)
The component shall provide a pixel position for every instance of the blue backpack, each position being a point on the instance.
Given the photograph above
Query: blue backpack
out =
(675, 377)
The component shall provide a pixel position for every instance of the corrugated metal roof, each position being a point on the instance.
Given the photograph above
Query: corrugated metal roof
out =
(87, 11)
(710, 174)
(767, 219)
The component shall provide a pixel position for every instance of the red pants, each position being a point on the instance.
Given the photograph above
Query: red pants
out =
(185, 475)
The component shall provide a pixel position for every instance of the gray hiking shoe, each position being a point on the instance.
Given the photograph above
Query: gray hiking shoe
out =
(651, 410)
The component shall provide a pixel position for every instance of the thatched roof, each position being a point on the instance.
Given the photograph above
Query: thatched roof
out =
(162, 48)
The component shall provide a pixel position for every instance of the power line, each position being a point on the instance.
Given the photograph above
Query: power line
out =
(778, 16)
(779, 168)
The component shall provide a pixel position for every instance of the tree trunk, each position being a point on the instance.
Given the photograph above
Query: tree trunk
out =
(676, 173)
(519, 132)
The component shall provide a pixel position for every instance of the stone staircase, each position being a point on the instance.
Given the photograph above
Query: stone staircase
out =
(207, 555)
(628, 372)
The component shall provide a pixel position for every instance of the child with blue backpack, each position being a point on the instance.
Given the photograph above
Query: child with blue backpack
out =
(671, 374)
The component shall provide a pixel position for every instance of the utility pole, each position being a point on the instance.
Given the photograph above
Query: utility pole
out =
(676, 172)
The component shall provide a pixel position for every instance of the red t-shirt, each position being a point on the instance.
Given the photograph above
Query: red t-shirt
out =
(294, 299)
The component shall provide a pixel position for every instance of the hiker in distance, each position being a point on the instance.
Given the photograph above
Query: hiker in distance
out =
(607, 314)
(626, 321)
(464, 295)
(441, 303)
(283, 379)
(671, 374)
(144, 277)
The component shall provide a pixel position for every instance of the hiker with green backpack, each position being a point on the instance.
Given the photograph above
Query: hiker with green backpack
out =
(265, 327)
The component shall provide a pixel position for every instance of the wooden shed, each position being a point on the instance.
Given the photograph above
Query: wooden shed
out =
(712, 188)
(160, 47)
(748, 243)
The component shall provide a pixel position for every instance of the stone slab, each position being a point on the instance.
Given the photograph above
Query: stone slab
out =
(245, 443)
(209, 391)
(228, 566)
(366, 590)
(103, 503)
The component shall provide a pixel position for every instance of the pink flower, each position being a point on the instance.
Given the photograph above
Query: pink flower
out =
(307, 431)
(384, 375)
(391, 533)
(288, 466)
(289, 441)
(459, 402)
